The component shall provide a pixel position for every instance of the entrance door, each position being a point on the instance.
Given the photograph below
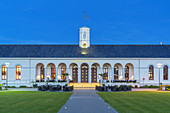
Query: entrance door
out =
(75, 73)
(94, 74)
(84, 73)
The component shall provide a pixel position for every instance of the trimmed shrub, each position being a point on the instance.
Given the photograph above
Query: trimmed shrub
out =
(11, 86)
(22, 86)
(0, 87)
(35, 85)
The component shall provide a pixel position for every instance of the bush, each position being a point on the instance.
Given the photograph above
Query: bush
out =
(35, 85)
(103, 84)
(136, 86)
(22, 86)
(145, 86)
(11, 87)
(0, 87)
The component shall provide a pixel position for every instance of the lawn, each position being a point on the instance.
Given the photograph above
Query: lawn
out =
(32, 102)
(138, 102)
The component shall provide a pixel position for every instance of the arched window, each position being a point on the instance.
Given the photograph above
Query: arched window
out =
(151, 72)
(127, 73)
(116, 72)
(165, 72)
(52, 72)
(18, 72)
(105, 71)
(63, 70)
(3, 72)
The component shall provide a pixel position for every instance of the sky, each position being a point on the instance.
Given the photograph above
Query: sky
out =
(111, 21)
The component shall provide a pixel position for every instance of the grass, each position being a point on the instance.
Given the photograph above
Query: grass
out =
(138, 102)
(32, 102)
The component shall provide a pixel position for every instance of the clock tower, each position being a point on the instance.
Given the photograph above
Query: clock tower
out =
(84, 39)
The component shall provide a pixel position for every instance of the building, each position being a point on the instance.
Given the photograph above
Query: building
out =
(24, 64)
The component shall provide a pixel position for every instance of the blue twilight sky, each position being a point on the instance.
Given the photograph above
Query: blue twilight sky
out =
(111, 21)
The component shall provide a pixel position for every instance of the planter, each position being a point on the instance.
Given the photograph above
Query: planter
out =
(68, 88)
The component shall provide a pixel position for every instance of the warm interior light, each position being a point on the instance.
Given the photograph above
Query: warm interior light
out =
(59, 77)
(38, 77)
(120, 77)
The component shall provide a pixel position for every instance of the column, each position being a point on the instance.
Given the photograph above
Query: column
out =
(45, 74)
(112, 74)
(123, 73)
(67, 77)
(56, 74)
(101, 78)
(89, 74)
(79, 73)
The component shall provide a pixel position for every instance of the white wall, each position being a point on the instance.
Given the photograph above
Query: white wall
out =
(28, 68)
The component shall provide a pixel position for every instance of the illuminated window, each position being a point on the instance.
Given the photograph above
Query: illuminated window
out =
(105, 71)
(165, 72)
(3, 72)
(63, 70)
(53, 72)
(18, 72)
(151, 72)
(127, 73)
(116, 72)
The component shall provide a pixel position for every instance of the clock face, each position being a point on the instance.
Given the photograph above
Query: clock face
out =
(84, 35)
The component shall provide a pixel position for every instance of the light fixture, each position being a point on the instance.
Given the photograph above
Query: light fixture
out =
(159, 65)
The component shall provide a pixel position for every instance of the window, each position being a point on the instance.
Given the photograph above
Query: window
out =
(18, 72)
(53, 72)
(105, 71)
(3, 72)
(116, 72)
(165, 72)
(127, 73)
(63, 70)
(151, 72)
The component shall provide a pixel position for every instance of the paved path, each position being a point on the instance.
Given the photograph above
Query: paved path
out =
(86, 101)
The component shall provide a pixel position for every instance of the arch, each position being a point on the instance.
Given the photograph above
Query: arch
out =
(84, 72)
(62, 69)
(3, 70)
(129, 71)
(18, 72)
(94, 72)
(118, 69)
(106, 71)
(51, 72)
(165, 72)
(74, 72)
(151, 72)
(40, 72)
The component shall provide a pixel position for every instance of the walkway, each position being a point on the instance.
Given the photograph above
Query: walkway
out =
(86, 101)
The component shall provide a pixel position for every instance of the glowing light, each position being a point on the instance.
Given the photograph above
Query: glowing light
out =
(159, 65)
(121, 77)
(59, 77)
(84, 53)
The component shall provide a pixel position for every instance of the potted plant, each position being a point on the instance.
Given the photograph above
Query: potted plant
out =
(66, 74)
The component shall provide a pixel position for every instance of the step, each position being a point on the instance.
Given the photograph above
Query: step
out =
(84, 85)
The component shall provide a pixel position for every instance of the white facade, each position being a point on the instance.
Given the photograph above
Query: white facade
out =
(140, 69)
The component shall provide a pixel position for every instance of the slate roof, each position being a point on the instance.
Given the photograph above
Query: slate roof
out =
(94, 51)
